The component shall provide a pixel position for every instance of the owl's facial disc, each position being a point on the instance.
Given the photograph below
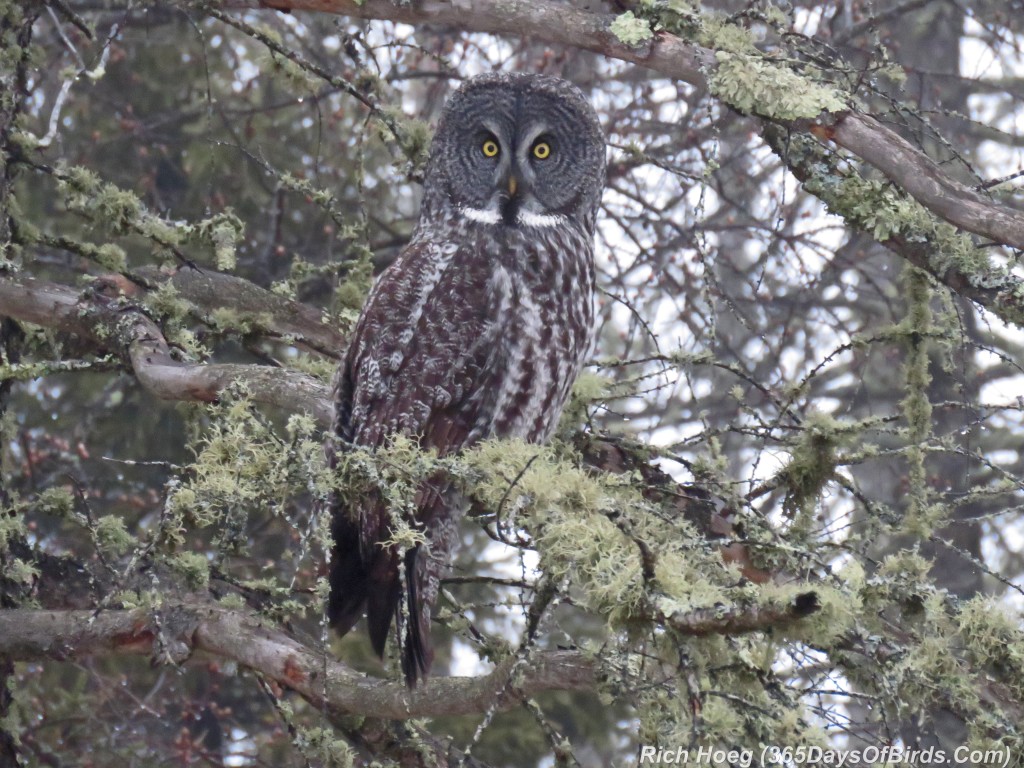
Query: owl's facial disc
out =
(512, 199)
(517, 152)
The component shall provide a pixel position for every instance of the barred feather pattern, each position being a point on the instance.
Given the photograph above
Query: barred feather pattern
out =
(477, 330)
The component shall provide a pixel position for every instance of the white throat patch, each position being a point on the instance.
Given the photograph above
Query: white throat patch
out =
(540, 219)
(482, 215)
(526, 218)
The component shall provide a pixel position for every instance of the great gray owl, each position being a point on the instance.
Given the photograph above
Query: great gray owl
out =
(477, 330)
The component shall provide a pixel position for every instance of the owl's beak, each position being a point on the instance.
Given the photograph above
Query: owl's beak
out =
(511, 190)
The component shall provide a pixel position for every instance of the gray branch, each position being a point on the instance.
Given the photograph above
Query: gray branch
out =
(31, 635)
(124, 329)
(187, 627)
(281, 318)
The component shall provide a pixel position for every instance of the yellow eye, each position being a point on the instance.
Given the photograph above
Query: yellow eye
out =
(542, 150)
(490, 148)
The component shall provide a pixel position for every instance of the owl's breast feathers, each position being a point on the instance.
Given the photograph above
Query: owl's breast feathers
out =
(479, 335)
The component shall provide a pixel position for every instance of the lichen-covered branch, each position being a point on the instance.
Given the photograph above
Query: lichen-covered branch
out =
(35, 635)
(922, 178)
(899, 222)
(736, 621)
(210, 291)
(123, 328)
(542, 20)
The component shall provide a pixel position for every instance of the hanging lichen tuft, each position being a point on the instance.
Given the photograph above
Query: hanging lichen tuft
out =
(812, 465)
(920, 516)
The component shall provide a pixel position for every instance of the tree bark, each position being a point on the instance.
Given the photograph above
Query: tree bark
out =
(128, 332)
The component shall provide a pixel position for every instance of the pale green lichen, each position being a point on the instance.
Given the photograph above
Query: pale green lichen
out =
(193, 567)
(240, 322)
(921, 517)
(298, 79)
(232, 601)
(112, 257)
(116, 210)
(746, 78)
(907, 567)
(630, 30)
(301, 427)
(586, 528)
(351, 293)
(223, 230)
(933, 672)
(588, 389)
(112, 537)
(722, 34)
(411, 134)
(120, 212)
(753, 84)
(165, 302)
(243, 467)
(143, 600)
(811, 466)
(12, 526)
(30, 371)
(323, 747)
(56, 502)
(322, 198)
(19, 571)
(317, 366)
(993, 639)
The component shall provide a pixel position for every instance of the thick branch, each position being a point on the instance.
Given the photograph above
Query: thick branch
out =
(922, 178)
(28, 635)
(544, 20)
(126, 330)
(182, 628)
(281, 317)
(973, 278)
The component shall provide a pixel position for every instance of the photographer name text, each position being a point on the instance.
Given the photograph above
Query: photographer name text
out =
(774, 755)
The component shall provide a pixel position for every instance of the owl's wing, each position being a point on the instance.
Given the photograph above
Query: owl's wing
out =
(417, 366)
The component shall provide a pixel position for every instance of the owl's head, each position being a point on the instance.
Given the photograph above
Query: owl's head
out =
(517, 150)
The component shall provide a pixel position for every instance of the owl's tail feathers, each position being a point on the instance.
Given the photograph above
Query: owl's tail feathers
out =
(382, 597)
(377, 586)
(380, 590)
(417, 653)
(349, 584)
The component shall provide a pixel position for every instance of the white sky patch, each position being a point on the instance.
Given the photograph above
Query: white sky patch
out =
(246, 72)
(977, 59)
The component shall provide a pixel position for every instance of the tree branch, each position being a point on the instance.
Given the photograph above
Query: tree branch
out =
(126, 330)
(543, 20)
(970, 275)
(738, 621)
(186, 627)
(30, 635)
(283, 318)
(922, 178)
